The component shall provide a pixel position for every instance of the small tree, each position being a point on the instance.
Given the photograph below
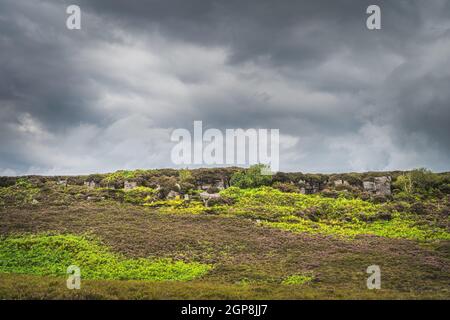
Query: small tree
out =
(417, 181)
(186, 176)
(404, 183)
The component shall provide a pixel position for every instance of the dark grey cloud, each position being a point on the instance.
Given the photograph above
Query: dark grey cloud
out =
(107, 97)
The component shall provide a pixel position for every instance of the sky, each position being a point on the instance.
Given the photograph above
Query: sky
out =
(108, 96)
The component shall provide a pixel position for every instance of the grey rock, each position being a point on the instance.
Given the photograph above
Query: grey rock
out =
(173, 194)
(91, 184)
(129, 185)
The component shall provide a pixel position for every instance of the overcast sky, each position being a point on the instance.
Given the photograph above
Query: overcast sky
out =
(108, 96)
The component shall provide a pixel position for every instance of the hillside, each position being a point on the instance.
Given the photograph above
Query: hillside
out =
(226, 233)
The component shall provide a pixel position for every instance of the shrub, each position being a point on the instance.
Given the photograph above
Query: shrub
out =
(418, 208)
(22, 192)
(186, 176)
(140, 195)
(166, 184)
(298, 279)
(213, 190)
(286, 187)
(187, 188)
(251, 177)
(327, 193)
(419, 181)
(379, 198)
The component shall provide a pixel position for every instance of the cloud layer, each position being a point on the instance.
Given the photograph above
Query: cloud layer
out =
(107, 97)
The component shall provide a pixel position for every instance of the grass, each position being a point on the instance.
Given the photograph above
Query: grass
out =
(52, 254)
(37, 287)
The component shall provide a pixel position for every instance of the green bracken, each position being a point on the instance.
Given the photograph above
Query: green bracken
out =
(45, 254)
(395, 228)
(340, 217)
(270, 202)
(298, 279)
(140, 195)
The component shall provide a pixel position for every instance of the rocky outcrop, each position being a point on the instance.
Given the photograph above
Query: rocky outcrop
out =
(309, 187)
(219, 184)
(129, 185)
(379, 186)
(340, 182)
(173, 194)
(206, 197)
(62, 183)
(91, 184)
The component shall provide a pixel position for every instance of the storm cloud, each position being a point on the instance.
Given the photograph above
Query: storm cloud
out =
(108, 96)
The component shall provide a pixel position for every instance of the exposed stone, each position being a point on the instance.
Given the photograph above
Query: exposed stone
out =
(205, 196)
(62, 183)
(341, 182)
(383, 186)
(129, 185)
(312, 188)
(91, 184)
(220, 185)
(380, 186)
(92, 198)
(369, 186)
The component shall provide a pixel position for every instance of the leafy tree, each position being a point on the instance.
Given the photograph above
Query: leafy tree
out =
(251, 177)
(186, 176)
(418, 181)
(404, 183)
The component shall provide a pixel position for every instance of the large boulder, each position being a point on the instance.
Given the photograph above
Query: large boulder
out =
(207, 197)
(91, 184)
(127, 185)
(383, 186)
(379, 186)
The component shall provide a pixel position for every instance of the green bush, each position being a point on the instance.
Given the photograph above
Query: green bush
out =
(251, 177)
(140, 195)
(22, 192)
(420, 181)
(286, 187)
(298, 279)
